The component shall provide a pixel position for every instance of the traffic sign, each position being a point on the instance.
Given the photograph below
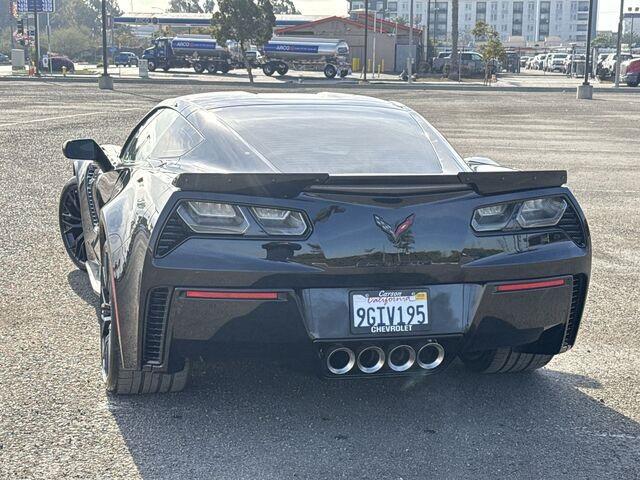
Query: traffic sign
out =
(44, 6)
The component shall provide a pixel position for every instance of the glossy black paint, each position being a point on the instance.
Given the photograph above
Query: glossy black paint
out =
(344, 250)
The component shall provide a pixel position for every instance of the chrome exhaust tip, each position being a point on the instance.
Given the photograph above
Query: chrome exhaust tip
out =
(430, 356)
(340, 360)
(401, 358)
(370, 359)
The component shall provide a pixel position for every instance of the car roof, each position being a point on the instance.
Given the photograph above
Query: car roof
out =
(216, 100)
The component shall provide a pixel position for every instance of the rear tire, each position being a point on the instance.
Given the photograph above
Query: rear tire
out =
(128, 382)
(504, 360)
(330, 71)
(198, 67)
(268, 69)
(70, 221)
(632, 84)
(282, 70)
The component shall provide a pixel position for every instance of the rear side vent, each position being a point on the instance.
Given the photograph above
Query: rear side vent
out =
(173, 234)
(155, 325)
(89, 180)
(575, 313)
(571, 224)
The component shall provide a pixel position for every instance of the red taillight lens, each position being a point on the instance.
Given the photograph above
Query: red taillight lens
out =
(226, 295)
(514, 287)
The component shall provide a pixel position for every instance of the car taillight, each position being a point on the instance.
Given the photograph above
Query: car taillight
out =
(229, 219)
(277, 221)
(535, 213)
(209, 217)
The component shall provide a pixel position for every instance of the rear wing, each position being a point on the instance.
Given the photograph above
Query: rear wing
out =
(287, 185)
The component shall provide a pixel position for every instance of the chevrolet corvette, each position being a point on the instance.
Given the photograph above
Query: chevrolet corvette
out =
(342, 223)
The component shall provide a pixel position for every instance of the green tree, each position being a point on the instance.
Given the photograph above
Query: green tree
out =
(284, 7)
(453, 69)
(604, 41)
(246, 22)
(209, 6)
(492, 49)
(73, 42)
(185, 6)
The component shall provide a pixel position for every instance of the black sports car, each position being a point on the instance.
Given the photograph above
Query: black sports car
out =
(342, 221)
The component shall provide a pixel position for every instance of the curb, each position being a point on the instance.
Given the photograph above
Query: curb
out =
(384, 85)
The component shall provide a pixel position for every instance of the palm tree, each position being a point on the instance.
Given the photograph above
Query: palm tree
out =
(453, 69)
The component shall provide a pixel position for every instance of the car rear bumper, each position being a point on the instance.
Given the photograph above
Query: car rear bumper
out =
(487, 317)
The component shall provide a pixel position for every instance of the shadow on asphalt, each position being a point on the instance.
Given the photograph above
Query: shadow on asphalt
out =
(260, 412)
(261, 415)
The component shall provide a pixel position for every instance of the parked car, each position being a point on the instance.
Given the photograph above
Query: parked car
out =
(537, 63)
(609, 65)
(599, 61)
(630, 72)
(59, 61)
(439, 61)
(4, 59)
(555, 62)
(188, 259)
(126, 59)
(568, 62)
(471, 63)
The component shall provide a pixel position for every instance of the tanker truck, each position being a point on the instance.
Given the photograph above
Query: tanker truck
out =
(330, 56)
(187, 52)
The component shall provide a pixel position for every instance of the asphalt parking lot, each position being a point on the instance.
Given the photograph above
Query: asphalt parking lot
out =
(259, 414)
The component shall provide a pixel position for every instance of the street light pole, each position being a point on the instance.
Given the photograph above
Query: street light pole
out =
(587, 64)
(619, 44)
(427, 32)
(105, 82)
(585, 91)
(366, 35)
(410, 60)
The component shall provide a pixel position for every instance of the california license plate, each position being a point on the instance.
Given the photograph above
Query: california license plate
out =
(390, 311)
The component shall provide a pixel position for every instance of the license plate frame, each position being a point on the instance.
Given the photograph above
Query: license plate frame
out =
(383, 328)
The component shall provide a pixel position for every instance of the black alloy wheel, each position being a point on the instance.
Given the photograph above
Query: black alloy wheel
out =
(70, 220)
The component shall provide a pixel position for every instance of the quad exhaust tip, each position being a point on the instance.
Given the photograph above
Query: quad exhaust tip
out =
(430, 356)
(401, 358)
(370, 359)
(340, 360)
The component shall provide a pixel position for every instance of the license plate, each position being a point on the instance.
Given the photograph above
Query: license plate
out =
(390, 311)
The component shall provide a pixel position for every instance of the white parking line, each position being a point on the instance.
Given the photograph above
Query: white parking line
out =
(62, 117)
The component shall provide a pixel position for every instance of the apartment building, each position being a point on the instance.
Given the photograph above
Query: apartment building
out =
(528, 21)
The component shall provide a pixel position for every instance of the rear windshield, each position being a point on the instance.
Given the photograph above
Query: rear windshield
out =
(334, 140)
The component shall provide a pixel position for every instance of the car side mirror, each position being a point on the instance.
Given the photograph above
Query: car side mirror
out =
(87, 149)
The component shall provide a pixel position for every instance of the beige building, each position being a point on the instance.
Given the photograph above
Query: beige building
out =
(389, 40)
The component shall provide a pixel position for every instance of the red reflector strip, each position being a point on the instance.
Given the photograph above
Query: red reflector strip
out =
(513, 287)
(232, 295)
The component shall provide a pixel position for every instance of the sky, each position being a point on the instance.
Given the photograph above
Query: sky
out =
(608, 10)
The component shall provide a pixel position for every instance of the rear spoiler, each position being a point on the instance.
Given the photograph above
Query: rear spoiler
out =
(288, 185)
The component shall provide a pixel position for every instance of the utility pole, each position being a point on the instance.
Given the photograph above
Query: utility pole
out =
(37, 38)
(619, 44)
(105, 82)
(366, 35)
(410, 59)
(429, 56)
(585, 91)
